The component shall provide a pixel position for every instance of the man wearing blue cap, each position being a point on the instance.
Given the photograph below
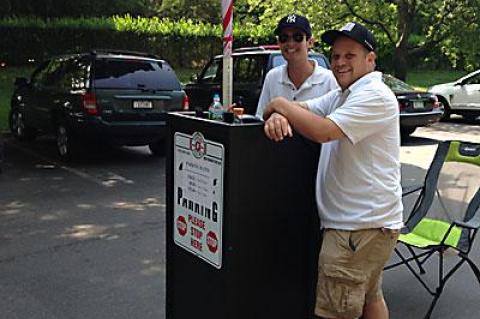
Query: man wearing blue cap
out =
(301, 78)
(358, 189)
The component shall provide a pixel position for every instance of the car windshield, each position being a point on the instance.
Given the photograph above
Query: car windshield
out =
(397, 85)
(134, 74)
(279, 60)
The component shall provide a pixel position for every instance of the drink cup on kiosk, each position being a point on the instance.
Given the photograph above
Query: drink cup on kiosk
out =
(238, 111)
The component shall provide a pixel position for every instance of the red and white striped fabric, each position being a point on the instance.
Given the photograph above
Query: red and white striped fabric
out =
(227, 16)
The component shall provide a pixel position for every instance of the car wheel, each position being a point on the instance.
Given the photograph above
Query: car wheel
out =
(18, 127)
(446, 109)
(158, 148)
(66, 144)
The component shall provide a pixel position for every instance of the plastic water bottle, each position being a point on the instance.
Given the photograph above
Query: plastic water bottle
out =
(215, 111)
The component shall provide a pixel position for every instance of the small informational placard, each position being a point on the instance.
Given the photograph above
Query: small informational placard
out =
(198, 191)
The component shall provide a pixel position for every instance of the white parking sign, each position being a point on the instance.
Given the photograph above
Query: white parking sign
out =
(198, 196)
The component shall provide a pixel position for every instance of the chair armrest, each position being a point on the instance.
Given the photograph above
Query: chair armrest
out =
(473, 223)
(407, 190)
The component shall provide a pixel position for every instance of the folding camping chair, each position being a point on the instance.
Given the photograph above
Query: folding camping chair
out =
(445, 216)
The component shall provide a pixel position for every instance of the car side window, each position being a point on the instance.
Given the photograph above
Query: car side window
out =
(39, 73)
(321, 60)
(248, 69)
(213, 73)
(473, 80)
(50, 75)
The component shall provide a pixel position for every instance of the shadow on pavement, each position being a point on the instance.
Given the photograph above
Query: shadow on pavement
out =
(93, 154)
(417, 141)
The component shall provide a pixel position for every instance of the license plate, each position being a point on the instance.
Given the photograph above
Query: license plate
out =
(418, 105)
(142, 104)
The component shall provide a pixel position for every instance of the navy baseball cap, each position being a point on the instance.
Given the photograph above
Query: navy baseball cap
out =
(294, 21)
(354, 31)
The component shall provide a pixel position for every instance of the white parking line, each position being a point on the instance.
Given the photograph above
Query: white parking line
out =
(112, 180)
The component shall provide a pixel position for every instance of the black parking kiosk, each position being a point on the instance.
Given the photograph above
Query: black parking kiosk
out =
(242, 226)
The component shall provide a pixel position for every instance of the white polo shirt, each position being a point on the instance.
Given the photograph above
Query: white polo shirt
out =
(277, 83)
(358, 179)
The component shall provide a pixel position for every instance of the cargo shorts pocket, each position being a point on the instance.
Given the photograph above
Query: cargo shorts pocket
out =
(340, 291)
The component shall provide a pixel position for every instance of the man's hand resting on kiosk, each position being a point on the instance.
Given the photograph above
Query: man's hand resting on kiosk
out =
(282, 116)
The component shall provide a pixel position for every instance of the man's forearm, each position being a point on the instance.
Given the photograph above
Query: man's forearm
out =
(310, 125)
(281, 105)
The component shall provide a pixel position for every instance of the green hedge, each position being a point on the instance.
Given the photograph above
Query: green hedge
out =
(153, 25)
(183, 43)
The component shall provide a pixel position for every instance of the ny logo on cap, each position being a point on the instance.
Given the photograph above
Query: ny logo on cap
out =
(291, 18)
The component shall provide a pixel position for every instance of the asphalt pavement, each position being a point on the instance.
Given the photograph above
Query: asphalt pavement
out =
(83, 240)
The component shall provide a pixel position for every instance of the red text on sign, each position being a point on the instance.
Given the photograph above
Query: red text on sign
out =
(196, 244)
(200, 223)
(196, 233)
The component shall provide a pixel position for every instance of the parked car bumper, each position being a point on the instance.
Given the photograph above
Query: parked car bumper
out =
(120, 133)
(420, 119)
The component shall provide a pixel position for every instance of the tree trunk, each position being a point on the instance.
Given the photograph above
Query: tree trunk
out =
(406, 13)
(400, 63)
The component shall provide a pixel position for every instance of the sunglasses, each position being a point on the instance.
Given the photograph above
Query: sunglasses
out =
(297, 37)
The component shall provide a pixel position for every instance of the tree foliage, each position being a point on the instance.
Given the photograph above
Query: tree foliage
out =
(203, 10)
(409, 32)
(424, 30)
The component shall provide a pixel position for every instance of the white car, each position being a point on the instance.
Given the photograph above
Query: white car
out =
(460, 97)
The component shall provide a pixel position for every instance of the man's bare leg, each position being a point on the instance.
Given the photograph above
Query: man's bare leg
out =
(375, 310)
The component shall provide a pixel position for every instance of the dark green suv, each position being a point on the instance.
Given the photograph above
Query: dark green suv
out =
(115, 96)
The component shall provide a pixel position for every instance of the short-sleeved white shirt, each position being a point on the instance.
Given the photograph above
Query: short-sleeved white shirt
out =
(358, 179)
(277, 83)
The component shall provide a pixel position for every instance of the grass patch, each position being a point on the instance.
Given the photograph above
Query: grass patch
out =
(7, 77)
(423, 79)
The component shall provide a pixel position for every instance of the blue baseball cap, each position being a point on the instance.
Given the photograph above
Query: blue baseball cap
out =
(294, 21)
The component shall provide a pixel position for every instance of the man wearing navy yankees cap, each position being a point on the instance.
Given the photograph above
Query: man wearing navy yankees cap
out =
(358, 188)
(301, 78)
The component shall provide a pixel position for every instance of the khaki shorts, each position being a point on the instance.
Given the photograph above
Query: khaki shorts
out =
(350, 270)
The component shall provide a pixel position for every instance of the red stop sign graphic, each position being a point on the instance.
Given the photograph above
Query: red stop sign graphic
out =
(181, 225)
(212, 242)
